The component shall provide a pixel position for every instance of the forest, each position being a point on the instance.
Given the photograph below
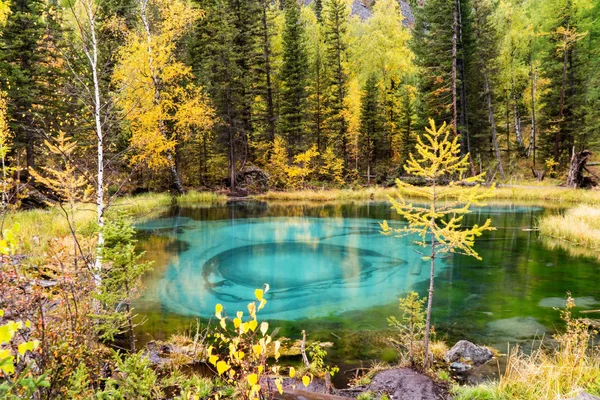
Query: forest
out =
(175, 95)
(123, 119)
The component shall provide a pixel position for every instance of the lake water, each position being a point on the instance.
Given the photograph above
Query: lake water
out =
(334, 275)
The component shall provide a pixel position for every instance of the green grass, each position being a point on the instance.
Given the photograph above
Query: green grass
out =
(38, 227)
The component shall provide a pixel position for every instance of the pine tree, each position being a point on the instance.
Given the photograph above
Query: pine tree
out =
(371, 126)
(441, 45)
(266, 71)
(335, 30)
(564, 100)
(318, 9)
(226, 44)
(486, 52)
(293, 77)
(23, 71)
(316, 80)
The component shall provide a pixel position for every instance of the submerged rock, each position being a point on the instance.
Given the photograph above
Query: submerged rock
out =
(467, 351)
(460, 367)
(518, 327)
(559, 302)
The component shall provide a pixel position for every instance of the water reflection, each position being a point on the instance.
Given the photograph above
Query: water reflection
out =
(334, 275)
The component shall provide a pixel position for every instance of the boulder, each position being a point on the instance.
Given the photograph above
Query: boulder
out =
(404, 383)
(467, 351)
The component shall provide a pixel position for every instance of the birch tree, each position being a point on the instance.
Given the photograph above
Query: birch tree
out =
(159, 102)
(84, 13)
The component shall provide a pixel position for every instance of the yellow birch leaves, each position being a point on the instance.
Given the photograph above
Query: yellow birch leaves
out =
(246, 345)
(159, 104)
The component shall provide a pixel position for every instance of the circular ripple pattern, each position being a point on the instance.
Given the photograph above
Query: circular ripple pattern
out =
(314, 266)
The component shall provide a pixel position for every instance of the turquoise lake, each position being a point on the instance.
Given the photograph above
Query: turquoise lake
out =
(334, 275)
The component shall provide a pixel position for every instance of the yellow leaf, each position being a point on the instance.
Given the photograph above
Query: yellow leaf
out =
(237, 322)
(223, 325)
(252, 309)
(257, 348)
(306, 380)
(259, 294)
(218, 310)
(252, 325)
(222, 366)
(213, 360)
(279, 386)
(292, 372)
(240, 314)
(264, 327)
(262, 304)
(252, 379)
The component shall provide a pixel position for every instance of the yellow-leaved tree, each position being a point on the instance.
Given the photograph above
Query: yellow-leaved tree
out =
(161, 105)
(4, 11)
(332, 167)
(69, 187)
(304, 166)
(438, 225)
(278, 164)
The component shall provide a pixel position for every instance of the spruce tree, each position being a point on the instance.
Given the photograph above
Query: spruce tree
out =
(318, 9)
(23, 72)
(293, 79)
(225, 54)
(335, 31)
(371, 125)
(563, 65)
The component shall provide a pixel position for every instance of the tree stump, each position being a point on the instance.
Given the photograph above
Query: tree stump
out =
(576, 179)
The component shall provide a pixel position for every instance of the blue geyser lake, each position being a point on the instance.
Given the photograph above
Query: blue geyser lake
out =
(332, 273)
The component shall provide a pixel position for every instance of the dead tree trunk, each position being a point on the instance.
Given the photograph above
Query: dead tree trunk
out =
(575, 179)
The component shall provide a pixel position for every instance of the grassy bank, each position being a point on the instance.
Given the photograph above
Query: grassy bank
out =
(577, 231)
(38, 227)
(513, 193)
(563, 371)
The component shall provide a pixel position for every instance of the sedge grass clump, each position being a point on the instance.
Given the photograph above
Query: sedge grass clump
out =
(578, 227)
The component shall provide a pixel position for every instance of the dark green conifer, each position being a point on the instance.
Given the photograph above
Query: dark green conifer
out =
(293, 79)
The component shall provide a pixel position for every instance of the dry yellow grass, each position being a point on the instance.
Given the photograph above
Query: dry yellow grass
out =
(579, 227)
(530, 194)
(572, 366)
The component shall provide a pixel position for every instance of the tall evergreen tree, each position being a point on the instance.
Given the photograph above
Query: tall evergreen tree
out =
(227, 53)
(316, 79)
(564, 101)
(23, 71)
(371, 125)
(318, 9)
(441, 42)
(486, 52)
(293, 79)
(335, 31)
